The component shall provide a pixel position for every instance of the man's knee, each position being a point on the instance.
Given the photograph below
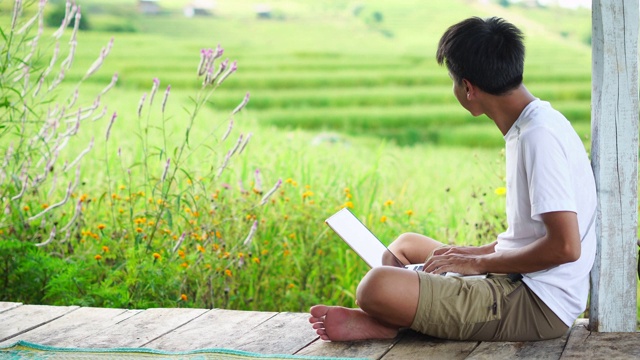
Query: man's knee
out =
(371, 291)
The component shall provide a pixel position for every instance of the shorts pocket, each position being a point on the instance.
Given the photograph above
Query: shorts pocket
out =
(474, 301)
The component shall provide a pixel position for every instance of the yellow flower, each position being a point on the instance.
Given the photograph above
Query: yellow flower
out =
(292, 236)
(388, 202)
(288, 181)
(383, 218)
(307, 194)
(200, 248)
(286, 253)
(346, 190)
(105, 249)
(348, 204)
(139, 230)
(185, 264)
(157, 256)
(256, 260)
(44, 206)
(101, 226)
(98, 257)
(228, 273)
(291, 286)
(501, 191)
(264, 252)
(183, 297)
(26, 208)
(409, 212)
(122, 187)
(181, 254)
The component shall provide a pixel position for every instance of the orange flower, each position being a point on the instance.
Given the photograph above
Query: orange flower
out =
(228, 273)
(157, 256)
(185, 265)
(101, 226)
(105, 249)
(200, 248)
(98, 257)
(383, 218)
(183, 297)
(181, 254)
(256, 260)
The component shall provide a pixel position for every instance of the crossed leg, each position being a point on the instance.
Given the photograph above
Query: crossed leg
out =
(387, 296)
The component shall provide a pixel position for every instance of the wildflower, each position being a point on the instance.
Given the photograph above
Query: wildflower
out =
(226, 134)
(388, 202)
(286, 253)
(25, 208)
(232, 69)
(383, 219)
(244, 144)
(244, 103)
(105, 249)
(139, 230)
(154, 88)
(101, 226)
(98, 257)
(348, 204)
(501, 191)
(258, 181)
(183, 297)
(256, 260)
(201, 248)
(228, 273)
(181, 254)
(113, 119)
(157, 256)
(44, 206)
(288, 181)
(347, 190)
(270, 192)
(291, 286)
(166, 170)
(166, 96)
(185, 265)
(307, 194)
(292, 236)
(264, 252)
(409, 212)
(252, 232)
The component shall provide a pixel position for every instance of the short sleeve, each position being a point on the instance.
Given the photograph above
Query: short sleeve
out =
(548, 173)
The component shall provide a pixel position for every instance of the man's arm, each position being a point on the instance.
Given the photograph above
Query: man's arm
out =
(560, 245)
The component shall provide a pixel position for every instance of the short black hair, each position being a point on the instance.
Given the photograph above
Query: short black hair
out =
(489, 53)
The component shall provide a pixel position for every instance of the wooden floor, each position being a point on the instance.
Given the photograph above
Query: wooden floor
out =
(274, 333)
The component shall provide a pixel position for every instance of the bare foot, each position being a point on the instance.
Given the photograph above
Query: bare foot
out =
(337, 323)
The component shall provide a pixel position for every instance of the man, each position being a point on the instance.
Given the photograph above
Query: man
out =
(547, 251)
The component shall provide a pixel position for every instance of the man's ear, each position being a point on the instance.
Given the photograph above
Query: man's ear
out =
(469, 88)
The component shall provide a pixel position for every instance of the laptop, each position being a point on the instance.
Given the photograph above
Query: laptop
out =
(363, 242)
(368, 246)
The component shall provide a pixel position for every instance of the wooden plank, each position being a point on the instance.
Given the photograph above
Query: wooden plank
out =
(414, 345)
(370, 349)
(614, 154)
(141, 329)
(27, 317)
(285, 333)
(534, 350)
(5, 306)
(220, 326)
(67, 330)
(583, 344)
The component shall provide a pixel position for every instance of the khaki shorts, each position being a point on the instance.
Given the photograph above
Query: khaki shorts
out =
(492, 309)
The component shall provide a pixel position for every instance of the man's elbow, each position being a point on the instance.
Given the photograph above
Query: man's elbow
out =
(569, 253)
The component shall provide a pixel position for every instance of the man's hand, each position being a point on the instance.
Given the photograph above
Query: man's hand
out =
(459, 260)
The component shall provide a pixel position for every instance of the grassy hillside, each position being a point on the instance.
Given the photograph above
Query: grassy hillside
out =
(359, 68)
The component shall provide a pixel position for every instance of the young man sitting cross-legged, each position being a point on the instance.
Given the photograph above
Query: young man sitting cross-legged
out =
(545, 254)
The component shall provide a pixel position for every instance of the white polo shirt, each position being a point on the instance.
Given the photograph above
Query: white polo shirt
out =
(548, 170)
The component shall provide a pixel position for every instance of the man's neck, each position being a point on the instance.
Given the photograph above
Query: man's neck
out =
(504, 110)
